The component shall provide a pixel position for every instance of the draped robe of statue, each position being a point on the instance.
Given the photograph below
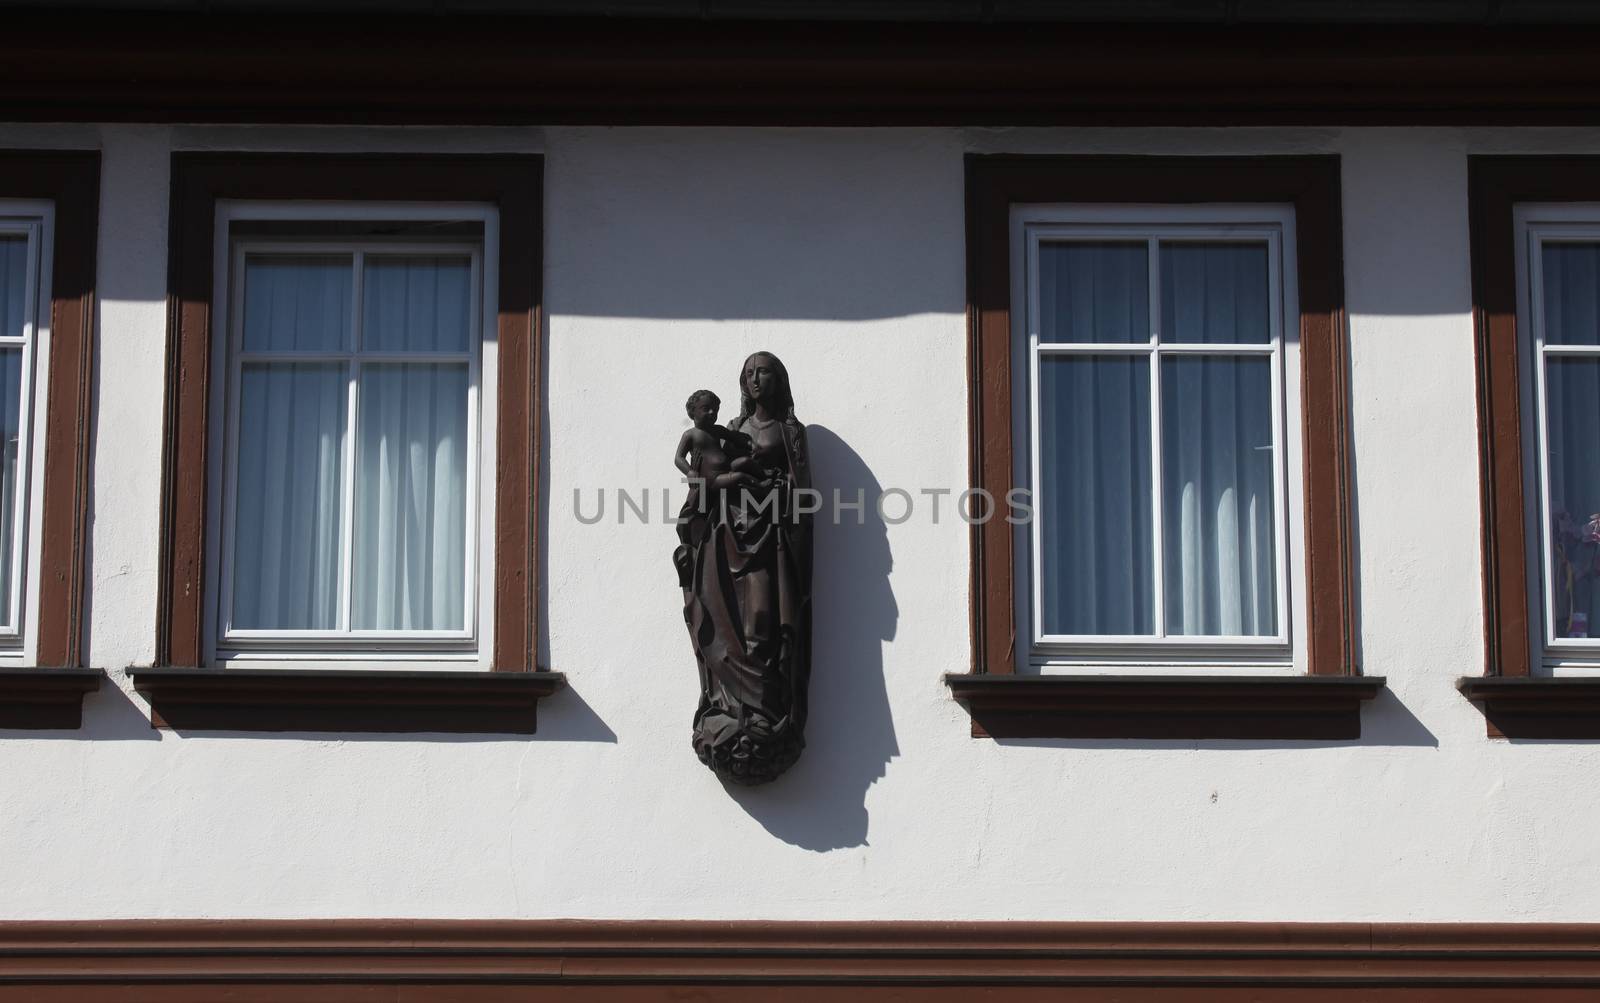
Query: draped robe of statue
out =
(747, 604)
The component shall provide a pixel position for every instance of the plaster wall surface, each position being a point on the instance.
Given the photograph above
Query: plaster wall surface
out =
(670, 255)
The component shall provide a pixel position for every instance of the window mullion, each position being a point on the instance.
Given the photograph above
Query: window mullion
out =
(1158, 527)
(348, 501)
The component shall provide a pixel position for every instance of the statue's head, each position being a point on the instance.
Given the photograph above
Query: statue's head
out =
(764, 379)
(702, 408)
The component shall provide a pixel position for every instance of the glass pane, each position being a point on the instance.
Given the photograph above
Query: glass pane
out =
(1572, 388)
(416, 304)
(13, 286)
(1571, 279)
(411, 498)
(1094, 496)
(297, 303)
(1215, 293)
(11, 390)
(289, 496)
(1094, 292)
(1217, 482)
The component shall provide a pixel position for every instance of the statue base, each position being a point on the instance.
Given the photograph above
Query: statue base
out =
(754, 752)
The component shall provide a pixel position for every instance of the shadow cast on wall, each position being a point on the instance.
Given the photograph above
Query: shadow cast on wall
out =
(820, 804)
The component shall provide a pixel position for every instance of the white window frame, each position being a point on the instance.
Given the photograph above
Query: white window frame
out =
(35, 220)
(1535, 225)
(470, 648)
(1272, 224)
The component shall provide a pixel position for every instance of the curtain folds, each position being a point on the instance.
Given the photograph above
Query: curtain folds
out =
(1217, 520)
(411, 516)
(13, 324)
(407, 538)
(1571, 278)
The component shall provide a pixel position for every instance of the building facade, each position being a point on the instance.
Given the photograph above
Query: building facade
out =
(345, 350)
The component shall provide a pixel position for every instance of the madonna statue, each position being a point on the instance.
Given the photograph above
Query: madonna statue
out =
(745, 567)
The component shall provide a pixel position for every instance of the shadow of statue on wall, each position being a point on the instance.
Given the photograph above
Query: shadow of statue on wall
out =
(820, 804)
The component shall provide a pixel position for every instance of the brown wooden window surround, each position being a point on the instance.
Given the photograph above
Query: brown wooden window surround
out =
(188, 688)
(1522, 693)
(49, 693)
(1323, 702)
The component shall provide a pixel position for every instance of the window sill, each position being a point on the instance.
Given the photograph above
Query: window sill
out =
(1536, 706)
(45, 698)
(344, 700)
(1314, 708)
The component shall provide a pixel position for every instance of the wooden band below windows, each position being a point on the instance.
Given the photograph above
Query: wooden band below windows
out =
(345, 700)
(338, 960)
(1182, 707)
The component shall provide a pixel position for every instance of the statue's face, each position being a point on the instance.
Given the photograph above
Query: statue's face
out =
(705, 414)
(760, 377)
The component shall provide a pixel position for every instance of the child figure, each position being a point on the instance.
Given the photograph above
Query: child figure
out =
(712, 453)
(715, 459)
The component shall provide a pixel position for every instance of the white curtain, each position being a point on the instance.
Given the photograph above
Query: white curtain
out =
(1096, 557)
(1094, 292)
(1571, 275)
(408, 530)
(416, 304)
(297, 303)
(1217, 469)
(13, 285)
(11, 389)
(411, 472)
(1096, 553)
(1220, 572)
(1097, 541)
(13, 320)
(289, 496)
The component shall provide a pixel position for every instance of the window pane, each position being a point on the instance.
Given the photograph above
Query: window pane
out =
(1217, 482)
(1571, 279)
(1572, 389)
(416, 304)
(13, 286)
(297, 303)
(411, 498)
(289, 496)
(1094, 495)
(1215, 293)
(11, 387)
(1096, 292)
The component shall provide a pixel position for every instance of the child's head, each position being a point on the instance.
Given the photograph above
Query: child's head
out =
(702, 408)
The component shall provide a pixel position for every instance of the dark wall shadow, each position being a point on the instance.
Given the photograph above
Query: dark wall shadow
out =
(567, 717)
(820, 804)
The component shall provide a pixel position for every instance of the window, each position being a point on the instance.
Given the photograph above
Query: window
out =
(1559, 265)
(49, 202)
(350, 489)
(1158, 356)
(1536, 279)
(1160, 381)
(24, 330)
(350, 469)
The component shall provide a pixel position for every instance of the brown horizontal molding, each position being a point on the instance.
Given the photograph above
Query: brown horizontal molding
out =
(1536, 706)
(414, 67)
(45, 698)
(344, 700)
(1181, 707)
(417, 960)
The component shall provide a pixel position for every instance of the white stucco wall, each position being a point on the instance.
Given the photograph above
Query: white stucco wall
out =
(670, 255)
